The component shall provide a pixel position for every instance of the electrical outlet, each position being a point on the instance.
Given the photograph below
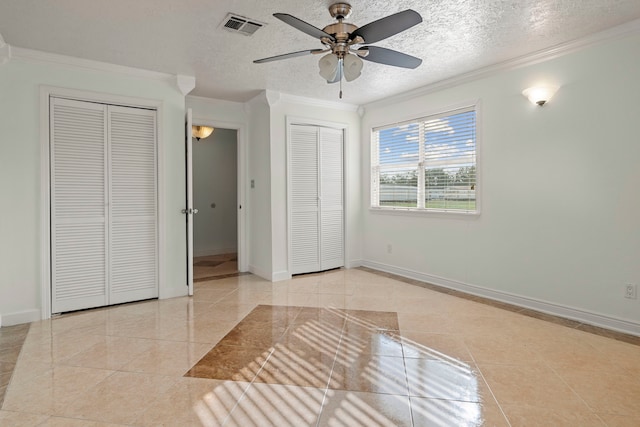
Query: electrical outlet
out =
(630, 291)
(389, 248)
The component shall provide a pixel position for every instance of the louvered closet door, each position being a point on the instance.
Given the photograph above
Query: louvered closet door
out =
(305, 244)
(331, 199)
(133, 226)
(317, 219)
(78, 205)
(103, 204)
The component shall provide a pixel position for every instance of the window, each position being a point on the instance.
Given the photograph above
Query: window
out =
(427, 164)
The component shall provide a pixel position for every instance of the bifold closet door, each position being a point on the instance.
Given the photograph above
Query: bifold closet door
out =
(317, 213)
(305, 233)
(331, 199)
(103, 204)
(79, 247)
(133, 225)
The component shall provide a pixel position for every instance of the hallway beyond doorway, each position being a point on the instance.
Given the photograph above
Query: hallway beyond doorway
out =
(214, 267)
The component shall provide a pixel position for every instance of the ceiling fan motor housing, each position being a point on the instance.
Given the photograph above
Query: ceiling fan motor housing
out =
(341, 31)
(340, 11)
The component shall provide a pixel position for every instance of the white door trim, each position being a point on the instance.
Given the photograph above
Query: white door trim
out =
(242, 141)
(45, 183)
(296, 120)
(188, 212)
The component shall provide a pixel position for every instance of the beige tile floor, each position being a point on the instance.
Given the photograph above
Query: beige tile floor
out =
(449, 362)
(215, 267)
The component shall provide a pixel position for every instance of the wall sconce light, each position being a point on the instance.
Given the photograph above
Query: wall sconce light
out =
(540, 95)
(199, 132)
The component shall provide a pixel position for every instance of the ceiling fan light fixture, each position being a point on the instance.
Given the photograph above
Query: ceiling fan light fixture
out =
(342, 40)
(352, 67)
(328, 65)
(199, 132)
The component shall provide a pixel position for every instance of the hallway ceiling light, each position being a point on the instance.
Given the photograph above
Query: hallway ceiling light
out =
(199, 132)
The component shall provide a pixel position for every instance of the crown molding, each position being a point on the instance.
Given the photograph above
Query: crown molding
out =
(294, 99)
(185, 83)
(611, 34)
(37, 56)
(5, 51)
(272, 97)
(260, 98)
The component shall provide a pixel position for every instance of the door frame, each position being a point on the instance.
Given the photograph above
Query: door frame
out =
(241, 170)
(188, 211)
(344, 127)
(46, 92)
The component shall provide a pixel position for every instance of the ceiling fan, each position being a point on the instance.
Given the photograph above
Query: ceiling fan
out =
(342, 41)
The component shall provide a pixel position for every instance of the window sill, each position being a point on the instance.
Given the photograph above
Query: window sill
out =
(423, 212)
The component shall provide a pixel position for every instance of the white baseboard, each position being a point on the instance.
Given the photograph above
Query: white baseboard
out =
(214, 251)
(280, 275)
(354, 263)
(19, 317)
(595, 319)
(259, 272)
(174, 292)
(273, 277)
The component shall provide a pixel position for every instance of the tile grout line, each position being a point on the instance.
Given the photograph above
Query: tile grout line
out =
(335, 358)
(475, 362)
(406, 376)
(555, 372)
(252, 382)
(244, 392)
(23, 339)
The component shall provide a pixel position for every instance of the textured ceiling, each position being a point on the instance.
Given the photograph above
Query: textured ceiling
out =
(185, 37)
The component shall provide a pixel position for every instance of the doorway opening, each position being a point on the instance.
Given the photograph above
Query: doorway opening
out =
(215, 196)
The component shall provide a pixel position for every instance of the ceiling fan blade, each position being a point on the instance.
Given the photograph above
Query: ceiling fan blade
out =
(303, 26)
(385, 56)
(288, 55)
(386, 27)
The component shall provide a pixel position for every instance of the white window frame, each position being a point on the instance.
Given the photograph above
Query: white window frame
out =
(374, 206)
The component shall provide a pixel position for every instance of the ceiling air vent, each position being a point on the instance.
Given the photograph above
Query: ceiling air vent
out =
(240, 24)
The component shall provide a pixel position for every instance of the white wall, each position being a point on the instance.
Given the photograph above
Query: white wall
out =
(259, 197)
(20, 210)
(267, 215)
(217, 111)
(559, 226)
(215, 182)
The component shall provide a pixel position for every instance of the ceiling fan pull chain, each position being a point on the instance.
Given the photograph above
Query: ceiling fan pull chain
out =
(340, 84)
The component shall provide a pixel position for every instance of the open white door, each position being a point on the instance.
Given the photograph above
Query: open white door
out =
(189, 210)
